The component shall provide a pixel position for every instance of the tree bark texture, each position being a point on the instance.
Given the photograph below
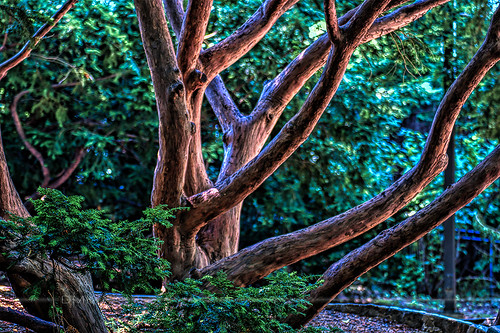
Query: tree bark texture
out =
(33, 323)
(72, 291)
(344, 272)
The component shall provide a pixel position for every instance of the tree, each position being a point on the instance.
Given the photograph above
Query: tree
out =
(204, 239)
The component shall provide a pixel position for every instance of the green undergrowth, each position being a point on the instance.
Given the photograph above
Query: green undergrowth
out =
(85, 240)
(189, 306)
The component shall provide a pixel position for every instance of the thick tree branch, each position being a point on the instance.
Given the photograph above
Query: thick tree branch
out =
(175, 15)
(175, 127)
(337, 230)
(332, 24)
(211, 203)
(357, 27)
(343, 273)
(26, 320)
(222, 104)
(228, 51)
(401, 17)
(280, 91)
(192, 35)
(35, 39)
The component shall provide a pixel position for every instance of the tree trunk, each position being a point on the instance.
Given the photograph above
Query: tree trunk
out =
(73, 292)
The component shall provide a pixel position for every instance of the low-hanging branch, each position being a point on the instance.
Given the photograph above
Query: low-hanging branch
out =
(344, 272)
(26, 320)
(35, 39)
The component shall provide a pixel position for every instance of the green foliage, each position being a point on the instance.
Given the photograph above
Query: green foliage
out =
(191, 306)
(85, 240)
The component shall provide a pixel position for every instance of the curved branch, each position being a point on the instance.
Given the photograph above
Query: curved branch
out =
(339, 229)
(80, 153)
(35, 39)
(237, 187)
(22, 135)
(26, 320)
(344, 272)
(33, 150)
(228, 51)
(280, 91)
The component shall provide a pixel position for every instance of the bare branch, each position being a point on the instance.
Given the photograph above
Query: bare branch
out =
(37, 37)
(215, 201)
(222, 104)
(279, 92)
(401, 17)
(332, 24)
(228, 51)
(22, 135)
(192, 34)
(339, 229)
(175, 15)
(344, 272)
(362, 20)
(26, 320)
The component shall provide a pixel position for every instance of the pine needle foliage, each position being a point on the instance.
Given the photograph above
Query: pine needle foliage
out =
(213, 304)
(85, 240)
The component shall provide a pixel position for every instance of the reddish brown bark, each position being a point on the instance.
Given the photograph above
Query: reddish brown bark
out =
(210, 230)
(287, 249)
(344, 272)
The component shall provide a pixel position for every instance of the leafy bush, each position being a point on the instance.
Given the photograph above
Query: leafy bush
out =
(87, 241)
(213, 304)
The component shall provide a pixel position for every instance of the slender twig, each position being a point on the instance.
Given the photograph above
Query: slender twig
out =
(30, 45)
(20, 131)
(5, 37)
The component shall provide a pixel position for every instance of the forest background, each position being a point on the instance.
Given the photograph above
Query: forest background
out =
(83, 107)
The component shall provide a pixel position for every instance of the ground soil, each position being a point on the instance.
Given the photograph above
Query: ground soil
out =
(111, 307)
